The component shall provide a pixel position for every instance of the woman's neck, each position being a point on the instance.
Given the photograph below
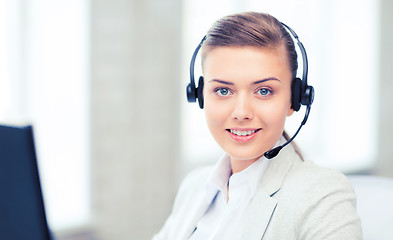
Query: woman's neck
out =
(240, 165)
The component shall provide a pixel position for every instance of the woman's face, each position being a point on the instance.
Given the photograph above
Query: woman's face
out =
(247, 96)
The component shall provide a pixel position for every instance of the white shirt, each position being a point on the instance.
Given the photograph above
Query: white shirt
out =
(225, 219)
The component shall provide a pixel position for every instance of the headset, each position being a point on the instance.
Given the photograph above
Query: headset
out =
(302, 93)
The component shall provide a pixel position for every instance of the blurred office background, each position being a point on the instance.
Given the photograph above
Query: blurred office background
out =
(103, 83)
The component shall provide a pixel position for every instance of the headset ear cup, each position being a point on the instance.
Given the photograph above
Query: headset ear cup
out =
(201, 83)
(296, 89)
(308, 97)
(191, 93)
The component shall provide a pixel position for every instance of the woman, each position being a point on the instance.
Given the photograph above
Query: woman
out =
(249, 64)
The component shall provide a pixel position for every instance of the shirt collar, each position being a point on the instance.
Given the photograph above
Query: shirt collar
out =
(218, 179)
(252, 175)
(222, 171)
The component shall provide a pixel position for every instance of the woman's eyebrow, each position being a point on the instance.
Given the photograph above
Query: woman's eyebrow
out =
(221, 81)
(265, 80)
(256, 82)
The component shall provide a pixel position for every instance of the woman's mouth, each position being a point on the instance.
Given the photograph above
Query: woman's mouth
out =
(242, 135)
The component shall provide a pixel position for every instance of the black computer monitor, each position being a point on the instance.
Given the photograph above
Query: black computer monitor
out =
(22, 212)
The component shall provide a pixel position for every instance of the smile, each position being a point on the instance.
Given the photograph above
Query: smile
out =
(242, 133)
(242, 136)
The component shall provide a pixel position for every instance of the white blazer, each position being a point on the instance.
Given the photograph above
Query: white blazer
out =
(295, 200)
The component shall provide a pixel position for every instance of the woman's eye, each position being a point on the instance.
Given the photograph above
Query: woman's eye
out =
(222, 91)
(264, 91)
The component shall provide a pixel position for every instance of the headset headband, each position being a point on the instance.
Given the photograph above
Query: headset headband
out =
(302, 50)
(305, 93)
(301, 92)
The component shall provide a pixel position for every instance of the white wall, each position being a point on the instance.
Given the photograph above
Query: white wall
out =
(135, 52)
(385, 101)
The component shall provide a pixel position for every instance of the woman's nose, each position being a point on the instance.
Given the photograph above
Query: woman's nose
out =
(242, 109)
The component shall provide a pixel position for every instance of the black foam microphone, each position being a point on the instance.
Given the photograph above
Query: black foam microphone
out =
(275, 151)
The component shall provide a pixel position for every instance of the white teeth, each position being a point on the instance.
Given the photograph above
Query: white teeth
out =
(242, 133)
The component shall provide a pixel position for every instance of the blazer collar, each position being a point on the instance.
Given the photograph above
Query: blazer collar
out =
(196, 212)
(278, 169)
(263, 205)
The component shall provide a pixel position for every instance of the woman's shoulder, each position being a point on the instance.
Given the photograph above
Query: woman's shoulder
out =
(319, 201)
(194, 183)
(197, 176)
(198, 172)
(304, 173)
(309, 184)
(311, 174)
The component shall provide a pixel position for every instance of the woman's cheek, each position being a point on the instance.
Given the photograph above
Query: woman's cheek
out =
(275, 114)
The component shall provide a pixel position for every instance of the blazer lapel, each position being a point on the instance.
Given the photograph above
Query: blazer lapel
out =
(262, 206)
(258, 215)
